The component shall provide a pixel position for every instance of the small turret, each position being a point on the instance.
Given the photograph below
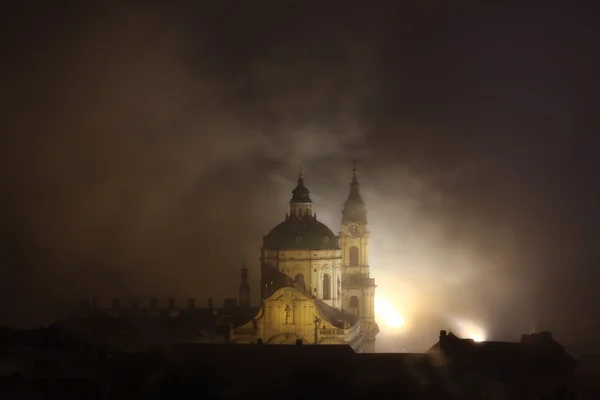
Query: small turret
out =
(300, 204)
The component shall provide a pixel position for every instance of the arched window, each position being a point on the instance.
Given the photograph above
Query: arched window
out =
(326, 287)
(299, 279)
(353, 255)
(353, 305)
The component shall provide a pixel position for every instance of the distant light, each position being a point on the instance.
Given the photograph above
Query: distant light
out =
(478, 338)
(469, 330)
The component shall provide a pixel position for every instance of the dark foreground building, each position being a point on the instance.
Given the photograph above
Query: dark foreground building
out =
(64, 362)
(535, 368)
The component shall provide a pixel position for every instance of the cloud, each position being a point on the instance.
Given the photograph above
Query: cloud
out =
(151, 147)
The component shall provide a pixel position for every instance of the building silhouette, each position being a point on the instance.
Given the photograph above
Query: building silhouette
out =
(537, 367)
(64, 362)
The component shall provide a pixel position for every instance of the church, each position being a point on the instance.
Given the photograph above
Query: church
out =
(315, 286)
(315, 289)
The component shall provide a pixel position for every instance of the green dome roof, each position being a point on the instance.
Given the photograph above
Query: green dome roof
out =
(301, 234)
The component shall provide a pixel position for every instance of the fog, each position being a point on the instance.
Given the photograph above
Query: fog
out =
(149, 148)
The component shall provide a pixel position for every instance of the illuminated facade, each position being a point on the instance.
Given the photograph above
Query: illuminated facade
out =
(315, 285)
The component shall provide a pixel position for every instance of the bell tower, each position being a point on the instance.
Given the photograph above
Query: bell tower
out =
(354, 235)
(358, 288)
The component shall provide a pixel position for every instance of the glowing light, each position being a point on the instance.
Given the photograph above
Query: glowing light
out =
(476, 336)
(469, 330)
(387, 314)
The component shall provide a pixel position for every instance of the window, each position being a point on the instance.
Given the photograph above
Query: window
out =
(299, 279)
(326, 287)
(353, 255)
(353, 305)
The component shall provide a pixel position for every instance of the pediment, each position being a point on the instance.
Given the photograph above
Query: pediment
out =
(288, 294)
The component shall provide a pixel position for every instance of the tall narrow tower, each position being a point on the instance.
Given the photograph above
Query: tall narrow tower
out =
(244, 290)
(358, 288)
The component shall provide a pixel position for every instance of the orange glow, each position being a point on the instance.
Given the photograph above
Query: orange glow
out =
(469, 330)
(388, 315)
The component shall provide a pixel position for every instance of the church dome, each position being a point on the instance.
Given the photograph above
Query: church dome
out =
(301, 234)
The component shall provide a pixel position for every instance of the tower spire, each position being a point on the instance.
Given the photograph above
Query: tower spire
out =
(354, 207)
(354, 171)
(244, 289)
(354, 195)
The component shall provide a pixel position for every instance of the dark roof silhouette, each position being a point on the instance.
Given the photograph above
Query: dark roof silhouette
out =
(334, 371)
(334, 315)
(537, 355)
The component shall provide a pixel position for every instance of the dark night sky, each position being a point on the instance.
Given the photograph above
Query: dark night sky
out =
(147, 148)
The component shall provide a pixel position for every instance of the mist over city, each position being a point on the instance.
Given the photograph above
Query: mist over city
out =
(147, 149)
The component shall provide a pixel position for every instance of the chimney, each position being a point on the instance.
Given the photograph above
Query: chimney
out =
(443, 336)
(230, 304)
(84, 305)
